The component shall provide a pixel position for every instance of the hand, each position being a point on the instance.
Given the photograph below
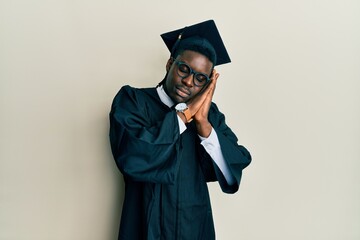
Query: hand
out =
(202, 114)
(203, 103)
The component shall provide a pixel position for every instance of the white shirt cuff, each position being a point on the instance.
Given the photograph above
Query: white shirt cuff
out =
(212, 147)
(182, 126)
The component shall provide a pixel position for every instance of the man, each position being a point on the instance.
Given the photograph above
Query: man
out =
(171, 140)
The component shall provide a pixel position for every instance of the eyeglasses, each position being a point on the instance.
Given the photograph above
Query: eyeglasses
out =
(184, 70)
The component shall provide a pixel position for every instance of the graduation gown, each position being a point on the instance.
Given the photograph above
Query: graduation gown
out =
(165, 172)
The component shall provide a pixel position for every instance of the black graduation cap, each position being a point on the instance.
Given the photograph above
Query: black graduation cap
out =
(204, 30)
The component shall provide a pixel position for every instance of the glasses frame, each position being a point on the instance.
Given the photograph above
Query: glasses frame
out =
(192, 72)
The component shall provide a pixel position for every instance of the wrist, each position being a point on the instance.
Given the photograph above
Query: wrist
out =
(184, 112)
(182, 116)
(203, 128)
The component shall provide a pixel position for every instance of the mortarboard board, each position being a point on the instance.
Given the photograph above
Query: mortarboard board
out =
(205, 30)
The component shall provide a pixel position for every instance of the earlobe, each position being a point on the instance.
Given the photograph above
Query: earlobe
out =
(169, 64)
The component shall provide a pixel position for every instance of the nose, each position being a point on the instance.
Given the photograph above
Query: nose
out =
(188, 81)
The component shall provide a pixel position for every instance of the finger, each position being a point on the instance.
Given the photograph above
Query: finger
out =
(215, 74)
(213, 83)
(211, 92)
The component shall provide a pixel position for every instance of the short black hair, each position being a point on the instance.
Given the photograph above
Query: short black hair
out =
(196, 44)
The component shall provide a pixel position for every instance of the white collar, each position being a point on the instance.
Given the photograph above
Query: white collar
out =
(164, 97)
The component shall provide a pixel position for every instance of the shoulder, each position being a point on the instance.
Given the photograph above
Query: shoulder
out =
(216, 117)
(214, 109)
(133, 93)
(127, 89)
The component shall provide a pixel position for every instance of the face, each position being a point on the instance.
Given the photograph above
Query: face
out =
(182, 89)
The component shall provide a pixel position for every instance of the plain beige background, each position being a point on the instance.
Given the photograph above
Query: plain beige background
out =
(291, 94)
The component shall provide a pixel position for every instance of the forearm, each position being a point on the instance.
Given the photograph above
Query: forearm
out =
(203, 128)
(212, 147)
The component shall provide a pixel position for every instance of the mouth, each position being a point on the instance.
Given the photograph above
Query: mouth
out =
(182, 92)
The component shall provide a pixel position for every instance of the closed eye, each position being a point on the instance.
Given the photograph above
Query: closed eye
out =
(183, 68)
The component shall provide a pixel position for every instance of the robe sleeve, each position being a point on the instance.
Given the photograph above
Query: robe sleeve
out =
(236, 156)
(144, 149)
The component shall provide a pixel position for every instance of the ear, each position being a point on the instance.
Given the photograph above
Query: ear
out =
(169, 64)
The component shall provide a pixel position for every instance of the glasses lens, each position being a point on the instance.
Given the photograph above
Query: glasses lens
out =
(183, 70)
(200, 79)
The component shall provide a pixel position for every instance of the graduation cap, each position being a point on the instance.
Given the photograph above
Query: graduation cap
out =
(204, 35)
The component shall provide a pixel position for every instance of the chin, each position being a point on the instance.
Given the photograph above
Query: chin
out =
(179, 99)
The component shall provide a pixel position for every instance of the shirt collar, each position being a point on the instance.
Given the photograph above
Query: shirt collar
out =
(164, 97)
